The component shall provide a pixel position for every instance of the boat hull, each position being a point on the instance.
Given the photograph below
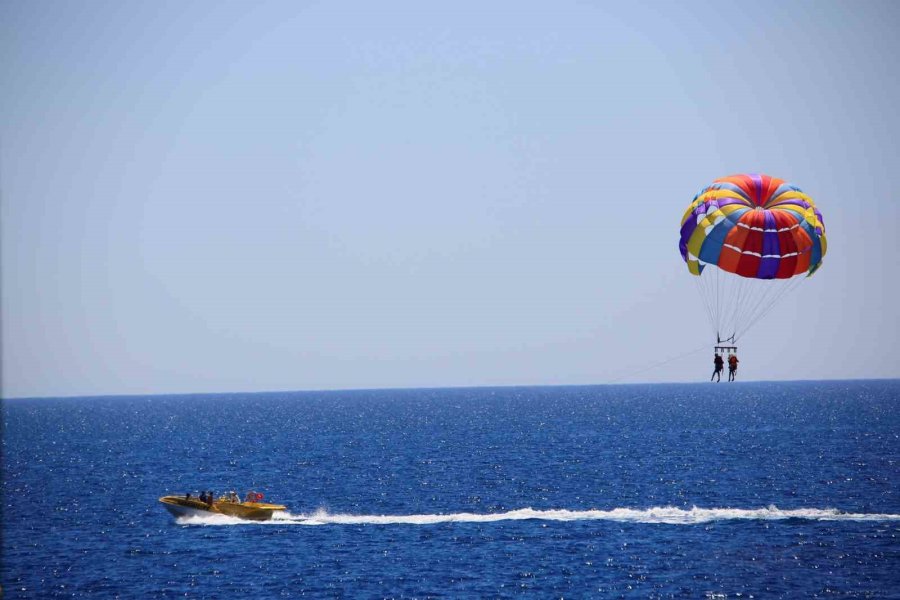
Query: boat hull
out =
(177, 510)
(179, 506)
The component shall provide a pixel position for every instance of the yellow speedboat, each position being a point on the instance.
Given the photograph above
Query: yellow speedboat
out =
(189, 506)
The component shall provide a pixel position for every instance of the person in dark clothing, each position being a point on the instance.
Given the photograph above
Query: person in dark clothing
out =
(203, 497)
(732, 366)
(718, 363)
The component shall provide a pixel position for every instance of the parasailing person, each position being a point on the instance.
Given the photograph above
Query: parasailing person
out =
(717, 367)
(732, 366)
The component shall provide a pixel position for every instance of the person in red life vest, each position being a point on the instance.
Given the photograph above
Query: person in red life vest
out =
(732, 366)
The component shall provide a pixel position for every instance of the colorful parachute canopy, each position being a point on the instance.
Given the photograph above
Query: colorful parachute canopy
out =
(754, 226)
(746, 237)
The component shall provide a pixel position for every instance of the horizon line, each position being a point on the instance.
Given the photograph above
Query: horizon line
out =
(422, 388)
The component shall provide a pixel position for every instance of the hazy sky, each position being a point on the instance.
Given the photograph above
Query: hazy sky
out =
(228, 196)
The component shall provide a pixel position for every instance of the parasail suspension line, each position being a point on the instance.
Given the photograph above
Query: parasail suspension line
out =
(659, 364)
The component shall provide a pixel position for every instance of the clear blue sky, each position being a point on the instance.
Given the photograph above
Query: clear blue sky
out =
(227, 196)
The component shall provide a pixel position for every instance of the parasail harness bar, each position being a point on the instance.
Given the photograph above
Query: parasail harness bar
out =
(720, 349)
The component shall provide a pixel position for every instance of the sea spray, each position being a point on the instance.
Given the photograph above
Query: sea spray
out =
(667, 515)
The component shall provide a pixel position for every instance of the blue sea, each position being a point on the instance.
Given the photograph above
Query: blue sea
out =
(743, 490)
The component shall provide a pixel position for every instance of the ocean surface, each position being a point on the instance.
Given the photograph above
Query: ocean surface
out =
(744, 490)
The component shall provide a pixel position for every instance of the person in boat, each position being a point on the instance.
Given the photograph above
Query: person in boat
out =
(732, 366)
(187, 496)
(210, 498)
(203, 496)
(251, 496)
(718, 363)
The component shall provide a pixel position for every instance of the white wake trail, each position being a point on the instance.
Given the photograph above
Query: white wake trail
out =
(663, 515)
